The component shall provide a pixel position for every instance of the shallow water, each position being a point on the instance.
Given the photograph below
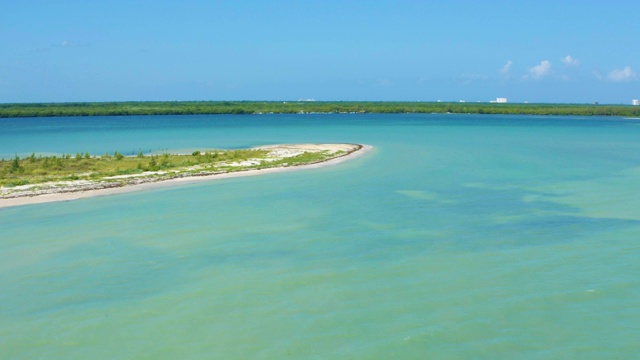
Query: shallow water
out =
(457, 236)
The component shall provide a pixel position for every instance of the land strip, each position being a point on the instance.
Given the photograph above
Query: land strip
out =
(306, 107)
(226, 164)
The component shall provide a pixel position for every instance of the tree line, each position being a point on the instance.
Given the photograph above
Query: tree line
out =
(294, 107)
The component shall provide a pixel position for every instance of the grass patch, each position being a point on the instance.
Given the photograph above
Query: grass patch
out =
(39, 169)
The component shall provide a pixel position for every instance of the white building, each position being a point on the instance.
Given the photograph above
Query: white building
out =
(501, 100)
(635, 102)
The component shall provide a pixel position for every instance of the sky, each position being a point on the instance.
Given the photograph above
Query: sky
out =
(536, 51)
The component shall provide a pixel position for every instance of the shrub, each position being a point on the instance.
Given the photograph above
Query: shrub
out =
(152, 162)
(15, 165)
(165, 160)
(17, 182)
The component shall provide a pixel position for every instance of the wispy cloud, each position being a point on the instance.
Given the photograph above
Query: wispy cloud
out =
(539, 71)
(570, 60)
(469, 78)
(619, 75)
(507, 67)
(70, 44)
(384, 82)
(62, 44)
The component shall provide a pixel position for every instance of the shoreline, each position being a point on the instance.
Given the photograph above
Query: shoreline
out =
(158, 184)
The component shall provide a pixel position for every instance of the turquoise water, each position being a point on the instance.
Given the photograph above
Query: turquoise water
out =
(458, 236)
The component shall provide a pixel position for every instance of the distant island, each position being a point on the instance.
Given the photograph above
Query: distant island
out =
(36, 179)
(305, 107)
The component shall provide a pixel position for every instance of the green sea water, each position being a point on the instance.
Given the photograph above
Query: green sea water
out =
(458, 236)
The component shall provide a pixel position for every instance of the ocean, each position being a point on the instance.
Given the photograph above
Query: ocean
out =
(457, 236)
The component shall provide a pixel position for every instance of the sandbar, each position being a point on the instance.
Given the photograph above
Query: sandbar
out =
(79, 193)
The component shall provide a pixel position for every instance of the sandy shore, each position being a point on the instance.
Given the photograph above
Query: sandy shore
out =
(81, 194)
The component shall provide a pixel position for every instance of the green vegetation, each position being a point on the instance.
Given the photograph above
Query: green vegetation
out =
(293, 107)
(43, 169)
(305, 158)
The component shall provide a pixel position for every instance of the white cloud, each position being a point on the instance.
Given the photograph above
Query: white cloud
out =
(539, 71)
(569, 60)
(621, 75)
(505, 69)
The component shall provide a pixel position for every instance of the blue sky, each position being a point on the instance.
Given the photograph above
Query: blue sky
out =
(536, 51)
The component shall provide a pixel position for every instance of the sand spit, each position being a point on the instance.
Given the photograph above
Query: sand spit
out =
(72, 190)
